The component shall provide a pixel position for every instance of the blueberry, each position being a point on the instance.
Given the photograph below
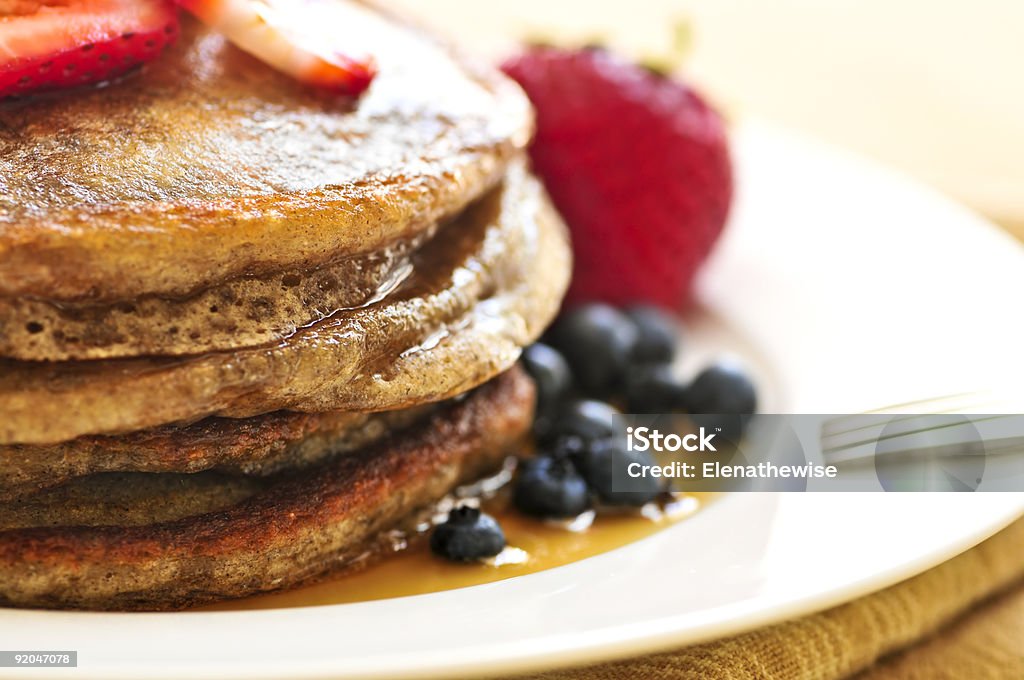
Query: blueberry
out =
(584, 418)
(722, 388)
(655, 389)
(565, 446)
(597, 340)
(553, 378)
(658, 334)
(602, 458)
(550, 487)
(467, 535)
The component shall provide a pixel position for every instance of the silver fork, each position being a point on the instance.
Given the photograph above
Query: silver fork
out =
(954, 426)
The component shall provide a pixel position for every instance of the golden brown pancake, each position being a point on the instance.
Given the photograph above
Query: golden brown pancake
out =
(480, 291)
(244, 312)
(209, 166)
(128, 499)
(283, 531)
(260, 446)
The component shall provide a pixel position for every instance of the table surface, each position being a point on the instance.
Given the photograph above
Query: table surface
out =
(931, 88)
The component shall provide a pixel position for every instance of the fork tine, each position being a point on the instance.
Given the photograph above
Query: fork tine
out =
(855, 438)
(982, 402)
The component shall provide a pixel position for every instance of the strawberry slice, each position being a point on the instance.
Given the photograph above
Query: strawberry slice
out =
(50, 44)
(297, 37)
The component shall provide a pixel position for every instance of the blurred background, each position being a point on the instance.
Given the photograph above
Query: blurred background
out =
(935, 89)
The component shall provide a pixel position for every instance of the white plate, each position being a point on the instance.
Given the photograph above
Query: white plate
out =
(849, 288)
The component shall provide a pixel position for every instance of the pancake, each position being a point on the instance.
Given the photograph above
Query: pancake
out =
(262, 445)
(208, 166)
(244, 312)
(129, 499)
(480, 291)
(283, 531)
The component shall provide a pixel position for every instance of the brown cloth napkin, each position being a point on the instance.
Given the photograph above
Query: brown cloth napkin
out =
(963, 619)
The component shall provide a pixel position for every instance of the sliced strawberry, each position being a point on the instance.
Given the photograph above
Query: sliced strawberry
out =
(310, 40)
(53, 44)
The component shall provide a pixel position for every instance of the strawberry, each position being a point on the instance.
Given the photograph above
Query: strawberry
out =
(637, 164)
(50, 44)
(298, 37)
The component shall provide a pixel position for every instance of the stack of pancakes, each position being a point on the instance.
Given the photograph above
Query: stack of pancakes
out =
(249, 330)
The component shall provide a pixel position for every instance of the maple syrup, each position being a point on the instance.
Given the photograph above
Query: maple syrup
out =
(533, 546)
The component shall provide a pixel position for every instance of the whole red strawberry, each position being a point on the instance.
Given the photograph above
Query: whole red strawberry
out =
(637, 164)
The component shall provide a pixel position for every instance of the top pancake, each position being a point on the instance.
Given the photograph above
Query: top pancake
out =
(209, 165)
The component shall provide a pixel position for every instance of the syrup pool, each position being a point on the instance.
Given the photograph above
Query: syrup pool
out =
(533, 546)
